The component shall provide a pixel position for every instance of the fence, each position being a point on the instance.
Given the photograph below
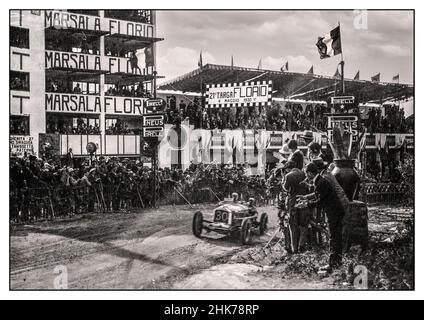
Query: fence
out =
(388, 193)
(47, 203)
(29, 204)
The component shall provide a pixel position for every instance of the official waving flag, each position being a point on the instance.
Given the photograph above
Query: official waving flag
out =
(330, 45)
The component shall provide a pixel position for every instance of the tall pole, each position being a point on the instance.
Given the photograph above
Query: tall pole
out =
(342, 62)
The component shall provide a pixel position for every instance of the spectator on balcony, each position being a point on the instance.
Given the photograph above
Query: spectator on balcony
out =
(77, 88)
(134, 62)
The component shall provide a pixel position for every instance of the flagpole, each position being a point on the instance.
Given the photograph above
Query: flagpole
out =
(342, 62)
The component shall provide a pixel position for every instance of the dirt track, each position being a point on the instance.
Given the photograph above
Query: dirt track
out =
(155, 249)
(150, 249)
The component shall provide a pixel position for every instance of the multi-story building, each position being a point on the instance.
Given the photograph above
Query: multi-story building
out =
(79, 76)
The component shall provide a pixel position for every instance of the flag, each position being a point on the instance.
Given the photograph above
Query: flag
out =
(396, 78)
(260, 64)
(285, 67)
(149, 57)
(311, 70)
(376, 78)
(200, 63)
(337, 74)
(356, 76)
(232, 62)
(330, 45)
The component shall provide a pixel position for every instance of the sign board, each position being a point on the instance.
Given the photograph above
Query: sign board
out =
(275, 141)
(152, 132)
(91, 104)
(153, 106)
(153, 121)
(70, 20)
(243, 94)
(21, 144)
(346, 121)
(343, 100)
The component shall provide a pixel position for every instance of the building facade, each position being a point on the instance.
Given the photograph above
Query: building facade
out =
(80, 76)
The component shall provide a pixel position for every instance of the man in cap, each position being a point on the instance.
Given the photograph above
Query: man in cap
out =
(314, 150)
(296, 155)
(295, 238)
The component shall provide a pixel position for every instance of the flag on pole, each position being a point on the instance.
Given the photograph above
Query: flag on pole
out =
(330, 45)
(337, 74)
(376, 78)
(311, 70)
(356, 76)
(260, 64)
(232, 62)
(200, 63)
(396, 78)
(285, 67)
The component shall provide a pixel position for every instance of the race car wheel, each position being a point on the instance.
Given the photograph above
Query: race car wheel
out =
(246, 231)
(198, 224)
(263, 224)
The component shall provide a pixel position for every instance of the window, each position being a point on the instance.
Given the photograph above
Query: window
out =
(19, 125)
(19, 81)
(19, 37)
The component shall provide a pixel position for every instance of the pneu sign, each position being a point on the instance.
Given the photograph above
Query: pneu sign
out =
(153, 118)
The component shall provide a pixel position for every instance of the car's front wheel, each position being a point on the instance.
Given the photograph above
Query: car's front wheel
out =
(246, 231)
(198, 224)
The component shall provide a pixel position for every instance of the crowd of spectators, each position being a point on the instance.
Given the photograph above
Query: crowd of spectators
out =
(120, 184)
(128, 91)
(394, 121)
(291, 117)
(66, 126)
(120, 127)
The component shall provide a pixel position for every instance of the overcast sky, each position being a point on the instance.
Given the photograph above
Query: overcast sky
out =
(385, 46)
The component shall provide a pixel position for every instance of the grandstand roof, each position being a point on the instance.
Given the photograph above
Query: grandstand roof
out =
(291, 85)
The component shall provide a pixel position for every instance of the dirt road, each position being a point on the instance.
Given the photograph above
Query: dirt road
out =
(155, 249)
(148, 249)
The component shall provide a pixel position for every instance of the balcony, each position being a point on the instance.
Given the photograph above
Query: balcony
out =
(111, 145)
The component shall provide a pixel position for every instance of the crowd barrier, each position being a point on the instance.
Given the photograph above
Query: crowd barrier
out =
(32, 204)
(388, 193)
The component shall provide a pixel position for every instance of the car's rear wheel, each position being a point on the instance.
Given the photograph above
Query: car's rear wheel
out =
(198, 224)
(246, 231)
(263, 224)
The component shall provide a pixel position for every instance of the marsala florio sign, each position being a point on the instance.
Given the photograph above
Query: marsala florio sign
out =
(68, 20)
(80, 103)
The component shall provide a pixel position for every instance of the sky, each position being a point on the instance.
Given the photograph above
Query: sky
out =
(372, 41)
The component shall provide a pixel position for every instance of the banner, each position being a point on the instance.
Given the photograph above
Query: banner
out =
(21, 144)
(244, 94)
(90, 104)
(68, 20)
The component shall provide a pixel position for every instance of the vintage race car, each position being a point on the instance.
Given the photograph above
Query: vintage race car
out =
(232, 218)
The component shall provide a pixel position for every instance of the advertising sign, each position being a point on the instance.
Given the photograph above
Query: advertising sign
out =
(21, 144)
(347, 121)
(243, 94)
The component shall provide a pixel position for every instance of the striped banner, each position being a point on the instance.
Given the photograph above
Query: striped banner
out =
(242, 94)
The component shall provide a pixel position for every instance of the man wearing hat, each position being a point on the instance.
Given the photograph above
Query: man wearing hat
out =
(295, 238)
(326, 197)
(296, 155)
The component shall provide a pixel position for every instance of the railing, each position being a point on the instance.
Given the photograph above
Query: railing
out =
(34, 204)
(388, 193)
